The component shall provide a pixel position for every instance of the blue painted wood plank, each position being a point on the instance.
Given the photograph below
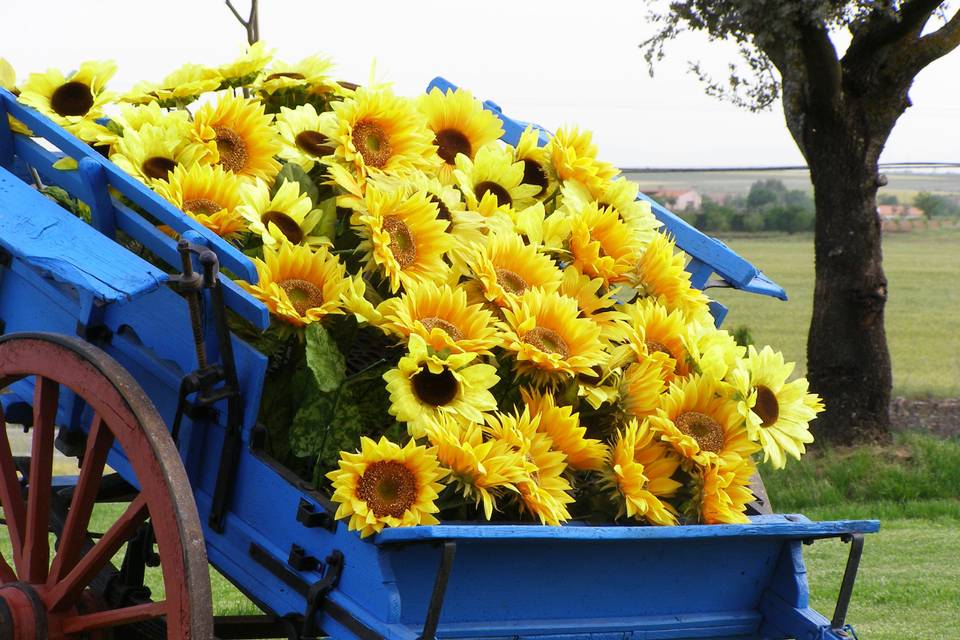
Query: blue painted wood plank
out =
(102, 216)
(779, 526)
(6, 135)
(46, 237)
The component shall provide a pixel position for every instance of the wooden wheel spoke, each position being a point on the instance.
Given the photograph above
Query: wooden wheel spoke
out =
(65, 592)
(99, 441)
(6, 573)
(10, 497)
(36, 546)
(114, 617)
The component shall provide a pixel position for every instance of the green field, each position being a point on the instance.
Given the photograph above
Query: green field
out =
(922, 268)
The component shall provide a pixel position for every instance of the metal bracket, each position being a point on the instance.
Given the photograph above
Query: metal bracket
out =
(439, 591)
(310, 518)
(837, 623)
(318, 593)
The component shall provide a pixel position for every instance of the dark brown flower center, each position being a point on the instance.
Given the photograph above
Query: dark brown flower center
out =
(443, 213)
(433, 322)
(658, 347)
(285, 74)
(767, 407)
(402, 245)
(314, 143)
(157, 167)
(232, 148)
(72, 99)
(435, 389)
(548, 341)
(511, 281)
(203, 206)
(373, 143)
(485, 187)
(450, 142)
(388, 487)
(303, 295)
(287, 225)
(534, 174)
(705, 430)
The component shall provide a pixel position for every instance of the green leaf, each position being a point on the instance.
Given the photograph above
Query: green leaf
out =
(324, 358)
(328, 219)
(292, 172)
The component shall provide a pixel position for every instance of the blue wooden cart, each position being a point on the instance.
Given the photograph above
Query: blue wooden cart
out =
(131, 369)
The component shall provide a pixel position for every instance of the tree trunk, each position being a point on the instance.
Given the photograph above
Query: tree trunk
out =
(847, 356)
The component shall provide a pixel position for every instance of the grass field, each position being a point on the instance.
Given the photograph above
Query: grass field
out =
(921, 318)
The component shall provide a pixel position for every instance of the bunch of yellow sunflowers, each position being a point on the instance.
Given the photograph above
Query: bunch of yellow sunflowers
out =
(540, 351)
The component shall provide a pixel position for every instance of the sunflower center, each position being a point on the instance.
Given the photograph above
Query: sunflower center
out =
(443, 212)
(314, 143)
(388, 487)
(303, 295)
(450, 142)
(435, 389)
(547, 340)
(433, 322)
(534, 174)
(373, 143)
(287, 225)
(72, 99)
(502, 195)
(767, 406)
(285, 74)
(202, 206)
(158, 167)
(511, 281)
(232, 148)
(657, 347)
(705, 430)
(402, 246)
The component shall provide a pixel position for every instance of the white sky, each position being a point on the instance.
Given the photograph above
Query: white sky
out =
(549, 62)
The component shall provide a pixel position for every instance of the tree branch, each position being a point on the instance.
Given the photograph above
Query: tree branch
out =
(823, 73)
(252, 24)
(937, 44)
(885, 27)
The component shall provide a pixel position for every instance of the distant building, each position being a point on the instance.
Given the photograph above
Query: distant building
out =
(677, 199)
(899, 212)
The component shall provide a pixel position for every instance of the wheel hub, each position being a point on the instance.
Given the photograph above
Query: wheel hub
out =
(22, 614)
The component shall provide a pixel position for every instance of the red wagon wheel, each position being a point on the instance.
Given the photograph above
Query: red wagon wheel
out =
(50, 597)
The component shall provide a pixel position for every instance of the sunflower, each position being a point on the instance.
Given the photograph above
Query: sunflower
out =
(302, 141)
(563, 427)
(722, 490)
(778, 413)
(178, 89)
(466, 227)
(358, 299)
(537, 170)
(247, 67)
(659, 273)
(376, 132)
(506, 268)
(544, 492)
(481, 469)
(151, 153)
(67, 100)
(384, 484)
(287, 216)
(441, 316)
(459, 124)
(138, 116)
(698, 420)
(602, 245)
(208, 194)
(298, 284)
(312, 74)
(596, 303)
(711, 351)
(642, 384)
(574, 157)
(492, 181)
(245, 141)
(654, 329)
(639, 475)
(548, 338)
(620, 196)
(402, 236)
(425, 385)
(8, 81)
